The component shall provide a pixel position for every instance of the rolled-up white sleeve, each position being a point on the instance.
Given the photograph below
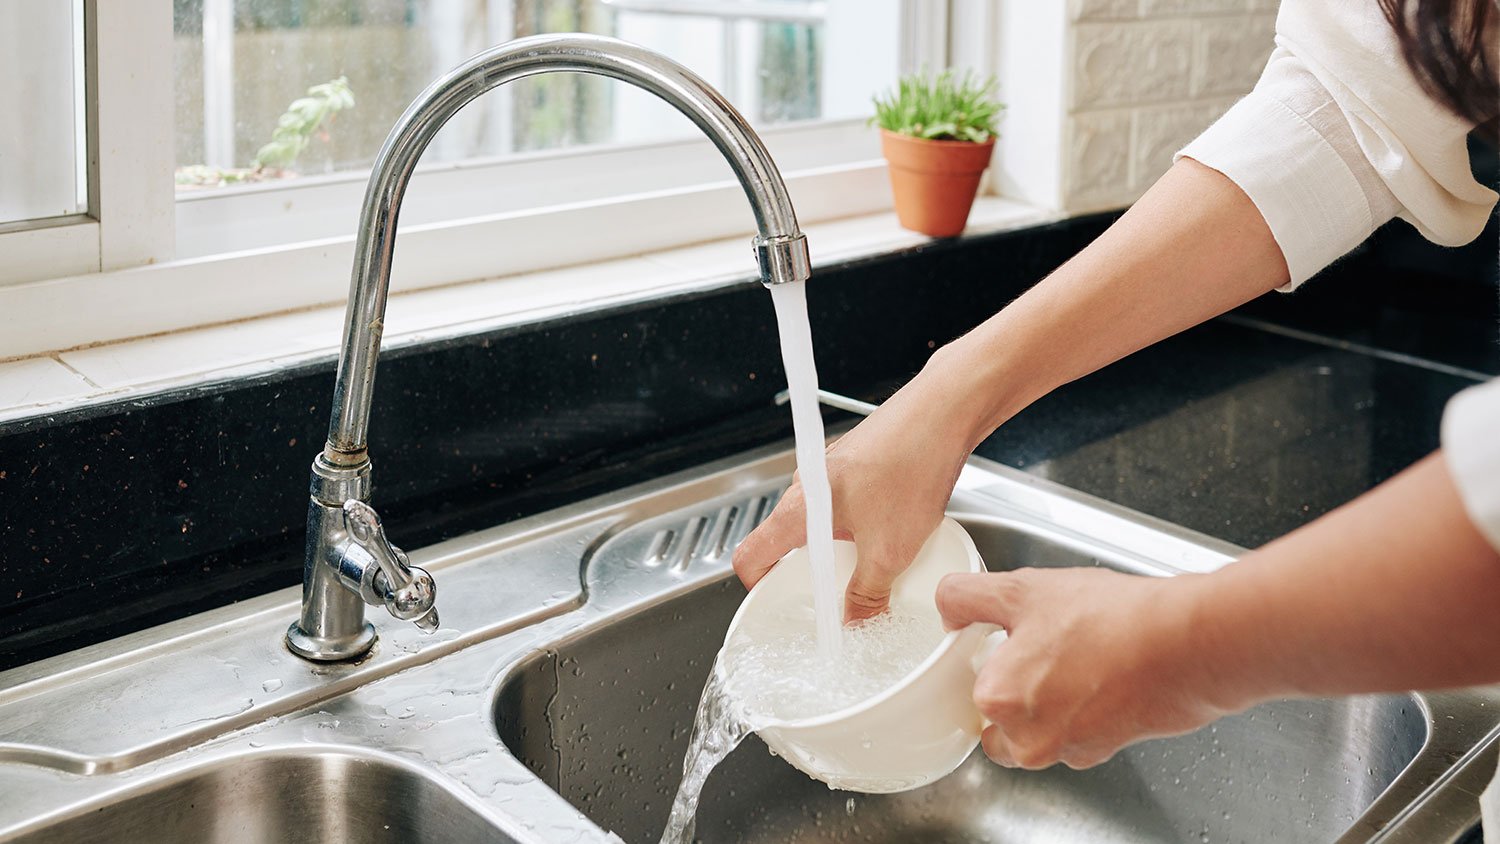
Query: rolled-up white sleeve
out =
(1338, 137)
(1471, 446)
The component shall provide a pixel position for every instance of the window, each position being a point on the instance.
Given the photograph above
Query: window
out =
(178, 204)
(240, 64)
(42, 141)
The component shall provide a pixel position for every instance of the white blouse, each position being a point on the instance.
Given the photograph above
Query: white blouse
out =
(1337, 138)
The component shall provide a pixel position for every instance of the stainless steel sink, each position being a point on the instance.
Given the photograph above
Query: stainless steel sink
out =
(554, 706)
(333, 796)
(603, 719)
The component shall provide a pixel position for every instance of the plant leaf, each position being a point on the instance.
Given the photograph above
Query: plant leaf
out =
(296, 126)
(940, 107)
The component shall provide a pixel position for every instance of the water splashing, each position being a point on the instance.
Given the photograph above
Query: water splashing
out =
(786, 678)
(718, 729)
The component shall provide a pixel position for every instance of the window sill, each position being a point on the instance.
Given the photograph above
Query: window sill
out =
(62, 381)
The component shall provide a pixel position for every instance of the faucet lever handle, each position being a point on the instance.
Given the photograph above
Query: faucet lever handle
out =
(363, 523)
(407, 591)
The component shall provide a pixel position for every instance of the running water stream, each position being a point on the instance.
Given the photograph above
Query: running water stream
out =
(718, 729)
(802, 673)
(790, 300)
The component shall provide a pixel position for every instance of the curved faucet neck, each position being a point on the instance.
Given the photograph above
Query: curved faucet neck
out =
(780, 248)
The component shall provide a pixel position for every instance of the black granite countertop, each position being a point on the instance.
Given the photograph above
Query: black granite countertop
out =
(1256, 423)
(116, 517)
(1233, 430)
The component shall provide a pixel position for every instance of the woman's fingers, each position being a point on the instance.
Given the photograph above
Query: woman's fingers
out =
(782, 531)
(1004, 751)
(997, 747)
(993, 598)
(884, 552)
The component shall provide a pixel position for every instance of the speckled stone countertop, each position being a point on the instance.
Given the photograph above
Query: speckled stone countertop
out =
(119, 516)
(1233, 430)
(1256, 423)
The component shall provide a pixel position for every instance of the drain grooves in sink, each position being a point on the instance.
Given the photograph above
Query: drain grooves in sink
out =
(707, 539)
(723, 526)
(691, 535)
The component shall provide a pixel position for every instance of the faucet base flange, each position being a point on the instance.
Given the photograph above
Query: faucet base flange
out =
(320, 649)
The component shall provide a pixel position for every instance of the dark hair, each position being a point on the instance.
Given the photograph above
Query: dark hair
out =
(1443, 42)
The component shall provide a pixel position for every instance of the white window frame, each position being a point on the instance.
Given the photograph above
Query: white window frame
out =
(319, 207)
(116, 273)
(128, 95)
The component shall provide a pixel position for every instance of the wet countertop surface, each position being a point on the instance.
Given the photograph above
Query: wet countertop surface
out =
(1237, 431)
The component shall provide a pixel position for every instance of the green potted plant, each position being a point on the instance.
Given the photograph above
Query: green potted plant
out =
(937, 133)
(304, 120)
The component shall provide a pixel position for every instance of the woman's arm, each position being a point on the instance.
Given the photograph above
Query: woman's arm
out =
(1193, 247)
(1395, 590)
(1303, 145)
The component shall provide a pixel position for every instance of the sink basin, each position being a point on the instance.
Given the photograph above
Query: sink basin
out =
(603, 718)
(557, 708)
(278, 796)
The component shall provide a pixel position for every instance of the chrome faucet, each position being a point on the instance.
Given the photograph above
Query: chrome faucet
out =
(349, 561)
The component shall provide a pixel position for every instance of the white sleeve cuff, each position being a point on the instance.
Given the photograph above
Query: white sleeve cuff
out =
(1314, 206)
(1471, 445)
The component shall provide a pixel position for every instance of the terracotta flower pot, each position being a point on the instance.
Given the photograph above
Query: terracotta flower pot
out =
(934, 182)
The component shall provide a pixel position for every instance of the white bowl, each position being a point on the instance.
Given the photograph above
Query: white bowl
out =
(909, 735)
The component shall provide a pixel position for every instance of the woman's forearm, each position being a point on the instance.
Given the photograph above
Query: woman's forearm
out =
(1395, 590)
(1192, 248)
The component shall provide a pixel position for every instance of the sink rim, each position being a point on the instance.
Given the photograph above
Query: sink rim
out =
(207, 765)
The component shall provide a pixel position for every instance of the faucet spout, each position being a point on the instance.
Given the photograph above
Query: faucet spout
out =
(780, 247)
(332, 624)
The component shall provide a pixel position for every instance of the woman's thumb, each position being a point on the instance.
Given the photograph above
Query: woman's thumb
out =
(868, 595)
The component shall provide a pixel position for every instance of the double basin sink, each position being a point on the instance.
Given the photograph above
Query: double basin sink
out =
(558, 704)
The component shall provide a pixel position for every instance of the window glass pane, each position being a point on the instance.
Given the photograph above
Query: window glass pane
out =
(42, 139)
(241, 64)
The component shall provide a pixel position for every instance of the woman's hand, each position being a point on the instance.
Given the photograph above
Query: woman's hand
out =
(1094, 660)
(1361, 600)
(1139, 282)
(892, 476)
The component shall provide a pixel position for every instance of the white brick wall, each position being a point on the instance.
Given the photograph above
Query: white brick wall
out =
(1146, 77)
